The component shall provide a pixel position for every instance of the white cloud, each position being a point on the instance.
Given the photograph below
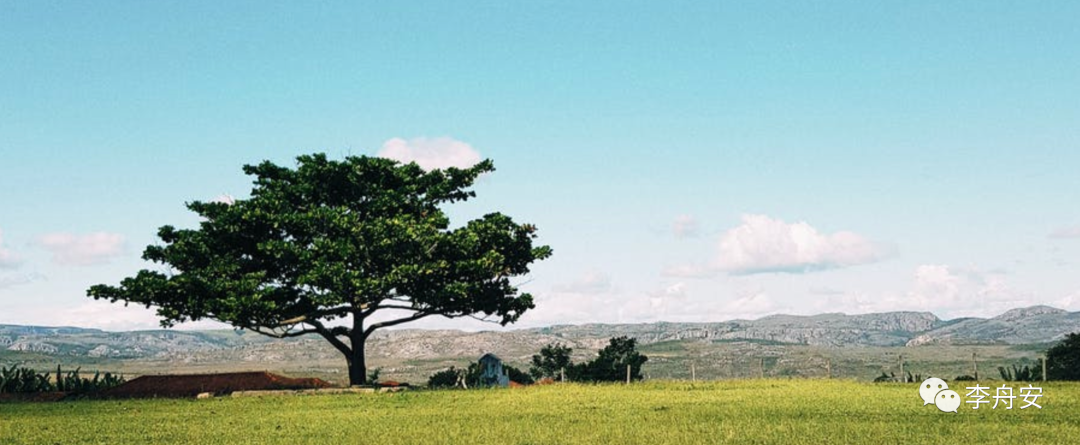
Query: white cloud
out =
(8, 259)
(689, 271)
(1066, 232)
(763, 244)
(15, 279)
(685, 226)
(669, 303)
(431, 153)
(751, 305)
(101, 314)
(82, 250)
(955, 291)
(569, 308)
(946, 291)
(1069, 303)
(592, 282)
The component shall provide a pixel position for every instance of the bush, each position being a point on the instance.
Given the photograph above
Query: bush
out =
(551, 361)
(26, 380)
(1063, 359)
(516, 375)
(1021, 374)
(447, 378)
(23, 380)
(610, 364)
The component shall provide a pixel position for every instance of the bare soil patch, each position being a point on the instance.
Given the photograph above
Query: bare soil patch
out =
(218, 384)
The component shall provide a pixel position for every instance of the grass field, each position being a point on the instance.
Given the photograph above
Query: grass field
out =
(738, 411)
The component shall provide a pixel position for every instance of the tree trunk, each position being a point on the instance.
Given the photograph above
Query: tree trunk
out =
(357, 365)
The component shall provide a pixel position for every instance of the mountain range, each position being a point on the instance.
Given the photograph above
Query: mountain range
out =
(415, 351)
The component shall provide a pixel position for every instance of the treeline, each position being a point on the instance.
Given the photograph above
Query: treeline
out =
(553, 363)
(25, 380)
(1061, 362)
(610, 365)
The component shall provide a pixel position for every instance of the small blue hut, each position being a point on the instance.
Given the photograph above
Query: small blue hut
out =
(492, 372)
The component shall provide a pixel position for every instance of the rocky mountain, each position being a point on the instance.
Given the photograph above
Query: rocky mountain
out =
(1033, 325)
(885, 329)
(1036, 324)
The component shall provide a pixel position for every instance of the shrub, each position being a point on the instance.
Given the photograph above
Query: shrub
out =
(1063, 359)
(610, 364)
(551, 361)
(447, 378)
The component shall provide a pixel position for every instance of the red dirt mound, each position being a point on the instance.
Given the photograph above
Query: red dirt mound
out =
(218, 384)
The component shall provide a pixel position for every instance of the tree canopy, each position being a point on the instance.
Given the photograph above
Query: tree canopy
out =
(339, 249)
(608, 366)
(551, 362)
(611, 362)
(1063, 359)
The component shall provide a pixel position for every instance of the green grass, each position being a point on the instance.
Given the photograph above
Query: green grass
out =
(740, 411)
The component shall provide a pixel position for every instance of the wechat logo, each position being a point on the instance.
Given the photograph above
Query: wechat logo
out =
(935, 391)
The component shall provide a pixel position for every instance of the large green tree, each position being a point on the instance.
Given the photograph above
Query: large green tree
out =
(1063, 359)
(338, 249)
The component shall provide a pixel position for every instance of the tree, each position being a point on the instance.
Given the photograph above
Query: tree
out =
(611, 362)
(339, 249)
(447, 378)
(1063, 359)
(517, 376)
(551, 361)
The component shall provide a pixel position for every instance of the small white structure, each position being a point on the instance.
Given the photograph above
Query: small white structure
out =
(492, 372)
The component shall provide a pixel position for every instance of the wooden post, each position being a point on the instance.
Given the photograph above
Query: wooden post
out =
(828, 368)
(761, 367)
(1044, 368)
(974, 366)
(627, 374)
(903, 377)
(693, 373)
(562, 374)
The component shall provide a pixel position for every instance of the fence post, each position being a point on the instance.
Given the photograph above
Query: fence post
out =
(627, 374)
(562, 374)
(828, 368)
(761, 367)
(693, 373)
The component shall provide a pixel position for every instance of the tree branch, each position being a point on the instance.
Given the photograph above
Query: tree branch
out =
(340, 310)
(331, 336)
(284, 334)
(483, 319)
(388, 323)
(396, 306)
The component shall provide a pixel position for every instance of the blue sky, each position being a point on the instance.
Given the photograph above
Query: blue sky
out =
(687, 161)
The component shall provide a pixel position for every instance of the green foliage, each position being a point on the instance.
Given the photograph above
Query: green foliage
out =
(964, 378)
(329, 240)
(517, 375)
(1063, 359)
(373, 377)
(447, 378)
(891, 377)
(1025, 373)
(23, 380)
(549, 363)
(611, 362)
(26, 380)
(451, 378)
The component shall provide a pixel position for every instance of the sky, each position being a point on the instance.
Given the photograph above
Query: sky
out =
(686, 161)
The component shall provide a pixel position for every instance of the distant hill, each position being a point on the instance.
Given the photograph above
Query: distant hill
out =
(1032, 325)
